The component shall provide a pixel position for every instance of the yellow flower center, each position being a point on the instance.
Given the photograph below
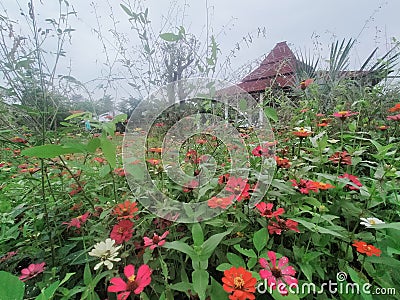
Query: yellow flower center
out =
(372, 222)
(132, 278)
(238, 282)
(343, 112)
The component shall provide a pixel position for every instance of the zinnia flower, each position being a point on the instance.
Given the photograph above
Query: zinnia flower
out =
(278, 275)
(305, 186)
(221, 202)
(283, 163)
(78, 221)
(135, 283)
(305, 83)
(353, 180)
(265, 210)
(302, 133)
(156, 241)
(122, 232)
(126, 210)
(32, 271)
(363, 247)
(107, 252)
(393, 118)
(239, 187)
(190, 186)
(395, 108)
(342, 158)
(282, 225)
(239, 283)
(343, 115)
(368, 222)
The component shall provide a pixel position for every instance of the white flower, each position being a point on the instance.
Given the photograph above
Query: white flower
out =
(370, 221)
(107, 252)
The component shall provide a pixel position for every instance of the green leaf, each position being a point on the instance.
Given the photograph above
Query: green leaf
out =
(200, 282)
(11, 287)
(87, 275)
(170, 37)
(224, 266)
(181, 247)
(209, 246)
(127, 11)
(93, 145)
(48, 292)
(197, 234)
(395, 225)
(75, 115)
(246, 252)
(235, 260)
(316, 228)
(109, 151)
(271, 113)
(50, 151)
(260, 239)
(217, 292)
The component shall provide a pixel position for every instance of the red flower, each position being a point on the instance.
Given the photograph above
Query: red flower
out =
(395, 108)
(19, 140)
(302, 133)
(258, 151)
(191, 156)
(78, 221)
(223, 178)
(239, 283)
(382, 127)
(120, 172)
(223, 203)
(305, 83)
(190, 186)
(265, 210)
(394, 118)
(283, 163)
(32, 271)
(125, 210)
(153, 161)
(363, 247)
(239, 187)
(122, 232)
(135, 283)
(282, 225)
(99, 160)
(343, 115)
(156, 150)
(342, 158)
(278, 275)
(353, 179)
(156, 241)
(305, 186)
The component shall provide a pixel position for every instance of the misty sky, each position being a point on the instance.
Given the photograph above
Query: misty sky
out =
(309, 26)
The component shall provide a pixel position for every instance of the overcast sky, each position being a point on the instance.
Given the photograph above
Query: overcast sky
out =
(306, 25)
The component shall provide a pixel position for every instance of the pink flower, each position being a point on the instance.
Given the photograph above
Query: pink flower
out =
(221, 202)
(393, 118)
(278, 275)
(282, 225)
(32, 271)
(342, 115)
(190, 186)
(265, 210)
(78, 221)
(239, 187)
(135, 283)
(156, 241)
(353, 179)
(122, 232)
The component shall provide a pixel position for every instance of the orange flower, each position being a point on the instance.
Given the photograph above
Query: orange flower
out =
(395, 108)
(223, 203)
(156, 150)
(125, 210)
(324, 186)
(282, 162)
(302, 133)
(153, 161)
(305, 83)
(382, 127)
(363, 247)
(240, 283)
